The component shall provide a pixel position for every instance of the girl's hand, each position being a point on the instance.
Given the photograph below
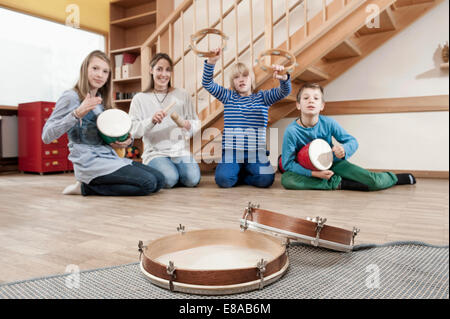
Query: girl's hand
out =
(87, 105)
(214, 59)
(339, 151)
(323, 174)
(159, 117)
(276, 72)
(123, 144)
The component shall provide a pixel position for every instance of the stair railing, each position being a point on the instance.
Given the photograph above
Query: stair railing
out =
(172, 37)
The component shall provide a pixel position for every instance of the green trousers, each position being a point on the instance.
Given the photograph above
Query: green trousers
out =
(341, 169)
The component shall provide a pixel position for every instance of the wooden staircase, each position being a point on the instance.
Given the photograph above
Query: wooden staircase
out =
(330, 43)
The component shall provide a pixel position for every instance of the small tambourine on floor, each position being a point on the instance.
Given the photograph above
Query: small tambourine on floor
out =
(195, 38)
(311, 231)
(288, 68)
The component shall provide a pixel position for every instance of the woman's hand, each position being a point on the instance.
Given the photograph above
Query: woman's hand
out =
(277, 69)
(214, 59)
(159, 117)
(187, 125)
(123, 144)
(87, 105)
(323, 174)
(339, 151)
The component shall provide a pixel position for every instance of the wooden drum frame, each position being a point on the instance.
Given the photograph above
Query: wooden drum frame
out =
(174, 262)
(199, 35)
(312, 231)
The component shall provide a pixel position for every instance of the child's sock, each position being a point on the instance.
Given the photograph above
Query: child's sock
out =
(74, 189)
(348, 184)
(405, 179)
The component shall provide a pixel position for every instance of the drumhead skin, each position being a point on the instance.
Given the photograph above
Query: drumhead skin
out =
(316, 156)
(214, 262)
(320, 154)
(114, 125)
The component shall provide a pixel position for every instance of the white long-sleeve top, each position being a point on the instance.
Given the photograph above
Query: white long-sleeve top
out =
(165, 139)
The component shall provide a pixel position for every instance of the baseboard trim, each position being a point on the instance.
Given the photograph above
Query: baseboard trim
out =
(437, 103)
(417, 173)
(208, 168)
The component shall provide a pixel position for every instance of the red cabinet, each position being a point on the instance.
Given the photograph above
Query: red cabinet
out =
(34, 155)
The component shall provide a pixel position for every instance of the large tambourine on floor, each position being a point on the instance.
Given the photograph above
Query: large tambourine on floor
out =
(288, 68)
(312, 231)
(214, 262)
(200, 35)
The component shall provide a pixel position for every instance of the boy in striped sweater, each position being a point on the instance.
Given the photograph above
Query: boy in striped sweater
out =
(244, 154)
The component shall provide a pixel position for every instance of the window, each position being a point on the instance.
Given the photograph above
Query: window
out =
(40, 59)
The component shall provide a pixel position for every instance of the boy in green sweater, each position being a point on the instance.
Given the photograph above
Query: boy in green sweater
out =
(342, 175)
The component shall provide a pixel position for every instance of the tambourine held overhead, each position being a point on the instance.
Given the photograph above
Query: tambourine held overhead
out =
(288, 68)
(195, 38)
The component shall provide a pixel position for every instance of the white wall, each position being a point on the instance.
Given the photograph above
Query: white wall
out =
(405, 66)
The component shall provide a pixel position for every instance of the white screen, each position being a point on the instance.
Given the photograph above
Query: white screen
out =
(40, 59)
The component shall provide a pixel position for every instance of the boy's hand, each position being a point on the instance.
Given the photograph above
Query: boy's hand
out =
(323, 174)
(339, 151)
(276, 72)
(214, 59)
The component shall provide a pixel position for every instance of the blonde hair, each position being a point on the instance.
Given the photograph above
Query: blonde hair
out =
(238, 69)
(82, 87)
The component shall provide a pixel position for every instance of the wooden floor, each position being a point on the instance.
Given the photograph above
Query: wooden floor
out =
(43, 231)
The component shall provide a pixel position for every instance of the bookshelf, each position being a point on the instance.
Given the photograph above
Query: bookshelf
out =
(132, 22)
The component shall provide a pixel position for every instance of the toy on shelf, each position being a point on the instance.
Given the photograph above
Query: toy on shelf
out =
(133, 152)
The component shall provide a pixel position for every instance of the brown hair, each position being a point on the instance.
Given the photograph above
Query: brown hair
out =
(153, 62)
(240, 68)
(82, 87)
(310, 86)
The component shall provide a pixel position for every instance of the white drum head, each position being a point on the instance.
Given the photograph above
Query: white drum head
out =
(114, 123)
(320, 154)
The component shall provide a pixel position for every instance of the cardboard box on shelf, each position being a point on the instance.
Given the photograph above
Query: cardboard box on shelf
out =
(118, 73)
(132, 70)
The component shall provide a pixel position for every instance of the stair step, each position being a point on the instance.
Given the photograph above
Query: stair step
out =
(404, 3)
(345, 50)
(312, 74)
(208, 158)
(387, 23)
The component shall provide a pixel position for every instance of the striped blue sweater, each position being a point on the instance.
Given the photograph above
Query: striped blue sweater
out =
(245, 117)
